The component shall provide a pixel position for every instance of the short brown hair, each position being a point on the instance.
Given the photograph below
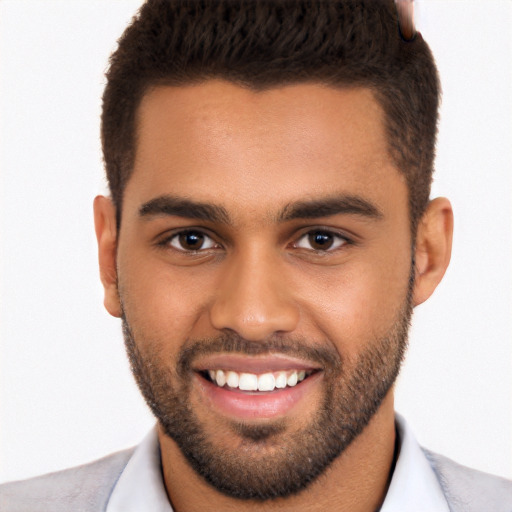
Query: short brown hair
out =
(264, 43)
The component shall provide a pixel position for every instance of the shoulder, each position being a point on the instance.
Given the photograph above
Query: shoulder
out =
(83, 488)
(469, 490)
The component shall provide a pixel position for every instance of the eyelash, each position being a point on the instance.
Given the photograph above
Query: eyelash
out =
(167, 242)
(339, 240)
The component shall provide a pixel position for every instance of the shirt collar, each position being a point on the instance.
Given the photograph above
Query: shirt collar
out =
(141, 486)
(414, 485)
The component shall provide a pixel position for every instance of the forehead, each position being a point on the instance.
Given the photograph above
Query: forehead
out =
(217, 140)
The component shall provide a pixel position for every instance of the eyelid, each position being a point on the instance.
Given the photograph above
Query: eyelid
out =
(342, 237)
(165, 239)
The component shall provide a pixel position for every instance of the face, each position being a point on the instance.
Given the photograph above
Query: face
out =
(264, 276)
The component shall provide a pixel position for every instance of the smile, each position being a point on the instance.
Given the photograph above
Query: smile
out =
(256, 388)
(264, 382)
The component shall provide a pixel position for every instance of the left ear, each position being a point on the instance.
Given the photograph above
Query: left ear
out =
(433, 248)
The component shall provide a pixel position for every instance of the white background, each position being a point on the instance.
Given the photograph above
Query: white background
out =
(67, 395)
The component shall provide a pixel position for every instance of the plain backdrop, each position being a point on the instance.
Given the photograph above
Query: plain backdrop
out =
(66, 393)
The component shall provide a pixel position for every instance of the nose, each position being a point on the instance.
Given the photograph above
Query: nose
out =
(253, 298)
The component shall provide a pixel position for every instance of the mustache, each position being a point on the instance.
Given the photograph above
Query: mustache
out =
(323, 355)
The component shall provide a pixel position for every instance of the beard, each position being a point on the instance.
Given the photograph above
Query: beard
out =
(273, 459)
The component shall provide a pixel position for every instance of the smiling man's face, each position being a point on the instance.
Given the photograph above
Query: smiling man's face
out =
(264, 277)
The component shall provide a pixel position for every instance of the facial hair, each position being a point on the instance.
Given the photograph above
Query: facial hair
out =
(271, 460)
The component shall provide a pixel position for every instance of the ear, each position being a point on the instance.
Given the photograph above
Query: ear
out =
(433, 248)
(106, 234)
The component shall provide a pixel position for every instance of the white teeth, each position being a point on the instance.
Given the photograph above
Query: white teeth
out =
(292, 379)
(248, 382)
(220, 378)
(232, 379)
(266, 382)
(281, 380)
(253, 382)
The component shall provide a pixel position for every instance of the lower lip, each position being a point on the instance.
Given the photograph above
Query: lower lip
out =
(255, 405)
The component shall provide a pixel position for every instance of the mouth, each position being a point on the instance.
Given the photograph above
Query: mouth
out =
(245, 388)
(264, 382)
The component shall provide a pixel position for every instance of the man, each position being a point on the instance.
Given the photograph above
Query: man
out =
(268, 233)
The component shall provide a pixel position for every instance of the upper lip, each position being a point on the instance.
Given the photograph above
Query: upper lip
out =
(253, 364)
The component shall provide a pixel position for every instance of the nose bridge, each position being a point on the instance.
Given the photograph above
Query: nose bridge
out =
(252, 298)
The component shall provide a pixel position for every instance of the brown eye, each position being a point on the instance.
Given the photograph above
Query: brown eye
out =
(191, 241)
(321, 241)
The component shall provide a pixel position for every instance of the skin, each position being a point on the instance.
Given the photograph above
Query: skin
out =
(254, 154)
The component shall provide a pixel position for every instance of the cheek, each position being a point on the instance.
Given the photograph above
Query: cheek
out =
(357, 304)
(163, 304)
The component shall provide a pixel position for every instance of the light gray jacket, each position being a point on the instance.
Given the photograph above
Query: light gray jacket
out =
(87, 488)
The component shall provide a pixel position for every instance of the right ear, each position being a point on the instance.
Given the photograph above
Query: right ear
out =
(106, 234)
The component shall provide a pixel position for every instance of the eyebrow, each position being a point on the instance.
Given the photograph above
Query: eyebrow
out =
(182, 207)
(324, 207)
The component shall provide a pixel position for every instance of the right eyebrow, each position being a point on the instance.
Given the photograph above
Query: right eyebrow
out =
(182, 207)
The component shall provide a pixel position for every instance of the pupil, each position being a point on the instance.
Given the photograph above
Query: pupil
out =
(191, 240)
(320, 240)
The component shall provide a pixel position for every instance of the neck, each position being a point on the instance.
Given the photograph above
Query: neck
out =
(356, 481)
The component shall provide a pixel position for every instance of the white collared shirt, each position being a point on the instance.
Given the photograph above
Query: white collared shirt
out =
(414, 485)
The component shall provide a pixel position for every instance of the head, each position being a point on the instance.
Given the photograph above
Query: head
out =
(269, 230)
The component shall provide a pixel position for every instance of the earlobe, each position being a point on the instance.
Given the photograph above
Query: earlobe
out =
(433, 248)
(106, 234)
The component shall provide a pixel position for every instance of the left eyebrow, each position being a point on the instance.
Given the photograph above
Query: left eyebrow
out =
(345, 204)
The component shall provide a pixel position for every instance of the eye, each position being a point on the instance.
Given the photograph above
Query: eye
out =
(321, 240)
(191, 241)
